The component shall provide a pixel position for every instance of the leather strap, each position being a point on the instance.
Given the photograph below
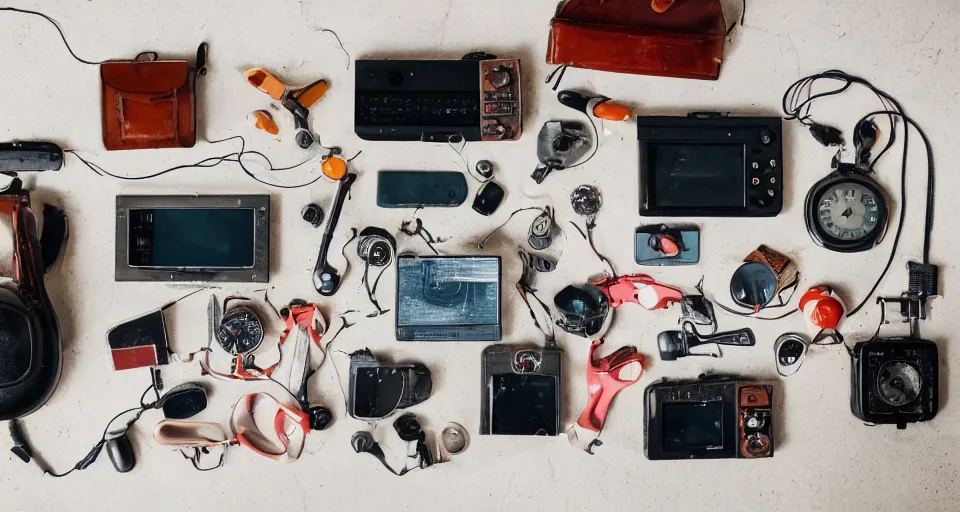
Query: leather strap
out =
(195, 434)
(778, 263)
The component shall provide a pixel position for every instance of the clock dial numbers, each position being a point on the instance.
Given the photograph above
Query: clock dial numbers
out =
(848, 211)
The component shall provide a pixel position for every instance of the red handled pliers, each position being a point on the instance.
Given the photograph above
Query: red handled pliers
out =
(604, 382)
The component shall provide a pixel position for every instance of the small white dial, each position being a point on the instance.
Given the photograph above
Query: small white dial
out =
(848, 211)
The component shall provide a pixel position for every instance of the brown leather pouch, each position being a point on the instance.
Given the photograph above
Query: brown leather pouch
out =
(149, 103)
(630, 36)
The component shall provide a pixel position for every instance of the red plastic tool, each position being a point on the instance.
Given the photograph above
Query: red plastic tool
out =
(604, 382)
(639, 288)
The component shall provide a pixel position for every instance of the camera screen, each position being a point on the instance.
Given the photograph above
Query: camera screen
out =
(696, 175)
(215, 238)
(448, 291)
(377, 391)
(688, 425)
(523, 404)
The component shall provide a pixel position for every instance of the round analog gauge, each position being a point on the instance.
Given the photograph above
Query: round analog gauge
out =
(846, 214)
(240, 331)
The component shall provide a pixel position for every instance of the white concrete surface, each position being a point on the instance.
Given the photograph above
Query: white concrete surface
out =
(826, 460)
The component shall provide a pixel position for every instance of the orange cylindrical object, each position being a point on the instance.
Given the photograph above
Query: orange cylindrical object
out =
(334, 168)
(611, 111)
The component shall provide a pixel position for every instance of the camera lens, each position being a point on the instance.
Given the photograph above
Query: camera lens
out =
(898, 384)
(485, 168)
(379, 254)
(790, 352)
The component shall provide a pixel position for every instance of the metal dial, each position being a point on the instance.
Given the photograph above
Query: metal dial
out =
(848, 211)
(240, 331)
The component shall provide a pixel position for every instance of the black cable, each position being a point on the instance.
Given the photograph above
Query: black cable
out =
(928, 221)
(794, 107)
(94, 452)
(783, 303)
(60, 30)
(596, 144)
(588, 236)
(483, 242)
(561, 69)
(422, 232)
(235, 157)
(347, 54)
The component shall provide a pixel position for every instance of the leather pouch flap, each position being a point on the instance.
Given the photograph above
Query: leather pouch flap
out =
(145, 77)
(700, 17)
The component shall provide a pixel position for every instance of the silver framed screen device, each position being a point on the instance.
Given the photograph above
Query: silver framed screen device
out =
(193, 238)
(448, 298)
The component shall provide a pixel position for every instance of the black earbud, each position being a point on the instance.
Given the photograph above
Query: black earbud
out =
(408, 428)
(362, 442)
(313, 214)
(320, 418)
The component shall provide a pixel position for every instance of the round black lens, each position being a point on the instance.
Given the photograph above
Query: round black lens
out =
(790, 352)
(753, 285)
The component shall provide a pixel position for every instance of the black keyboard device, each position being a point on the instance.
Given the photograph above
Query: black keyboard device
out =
(438, 100)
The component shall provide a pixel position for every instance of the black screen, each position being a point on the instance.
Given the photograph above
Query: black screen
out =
(697, 175)
(688, 425)
(16, 349)
(523, 404)
(218, 238)
(377, 392)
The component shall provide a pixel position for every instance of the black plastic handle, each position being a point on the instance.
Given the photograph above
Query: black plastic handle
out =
(740, 338)
(326, 279)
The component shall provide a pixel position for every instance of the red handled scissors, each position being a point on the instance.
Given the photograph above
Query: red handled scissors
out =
(604, 382)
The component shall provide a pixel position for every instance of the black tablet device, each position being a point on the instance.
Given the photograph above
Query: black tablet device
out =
(521, 391)
(710, 165)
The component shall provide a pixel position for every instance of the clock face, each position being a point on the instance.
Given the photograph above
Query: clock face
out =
(240, 331)
(848, 211)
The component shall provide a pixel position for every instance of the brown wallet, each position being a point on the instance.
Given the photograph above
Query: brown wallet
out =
(682, 39)
(149, 103)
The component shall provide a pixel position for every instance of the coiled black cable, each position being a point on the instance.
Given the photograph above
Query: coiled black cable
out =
(795, 106)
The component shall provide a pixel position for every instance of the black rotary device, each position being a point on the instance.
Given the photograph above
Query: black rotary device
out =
(847, 210)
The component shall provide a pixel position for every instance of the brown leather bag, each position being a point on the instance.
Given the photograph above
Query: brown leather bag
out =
(685, 40)
(149, 103)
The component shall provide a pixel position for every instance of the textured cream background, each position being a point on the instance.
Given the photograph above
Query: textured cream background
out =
(825, 458)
